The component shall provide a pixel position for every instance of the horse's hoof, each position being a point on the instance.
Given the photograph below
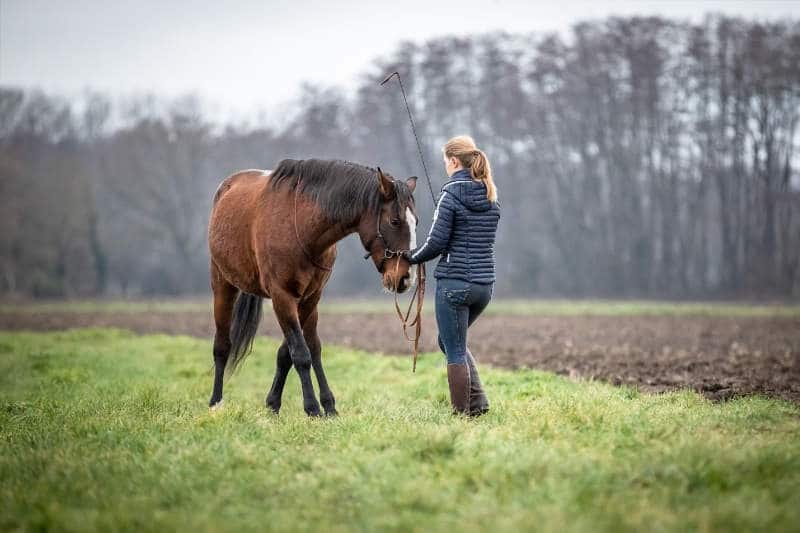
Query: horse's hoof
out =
(313, 412)
(331, 412)
(216, 406)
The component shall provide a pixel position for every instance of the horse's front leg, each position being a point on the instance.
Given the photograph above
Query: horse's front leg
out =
(315, 346)
(286, 311)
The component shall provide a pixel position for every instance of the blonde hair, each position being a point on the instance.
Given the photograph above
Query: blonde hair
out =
(463, 148)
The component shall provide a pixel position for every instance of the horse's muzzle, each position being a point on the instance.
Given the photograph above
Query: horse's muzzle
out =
(401, 285)
(404, 284)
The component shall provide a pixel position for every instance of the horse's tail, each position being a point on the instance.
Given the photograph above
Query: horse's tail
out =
(246, 317)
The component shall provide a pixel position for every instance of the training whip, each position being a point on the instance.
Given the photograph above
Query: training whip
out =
(413, 130)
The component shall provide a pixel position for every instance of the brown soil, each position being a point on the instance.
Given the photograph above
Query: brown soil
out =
(718, 357)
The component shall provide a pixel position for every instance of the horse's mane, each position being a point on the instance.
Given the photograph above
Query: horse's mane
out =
(342, 189)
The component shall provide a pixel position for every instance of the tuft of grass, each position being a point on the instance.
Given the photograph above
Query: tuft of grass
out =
(105, 430)
(527, 307)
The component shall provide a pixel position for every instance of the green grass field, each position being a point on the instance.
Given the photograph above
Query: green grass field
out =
(104, 430)
(540, 307)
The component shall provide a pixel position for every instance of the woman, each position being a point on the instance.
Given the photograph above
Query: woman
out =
(463, 235)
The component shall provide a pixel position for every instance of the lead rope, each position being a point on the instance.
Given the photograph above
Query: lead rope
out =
(419, 295)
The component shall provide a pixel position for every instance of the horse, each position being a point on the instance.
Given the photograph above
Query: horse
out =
(273, 233)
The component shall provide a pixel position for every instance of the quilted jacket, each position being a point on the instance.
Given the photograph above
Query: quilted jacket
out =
(463, 231)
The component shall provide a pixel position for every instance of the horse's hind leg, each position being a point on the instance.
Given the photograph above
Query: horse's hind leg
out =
(224, 298)
(283, 365)
(315, 347)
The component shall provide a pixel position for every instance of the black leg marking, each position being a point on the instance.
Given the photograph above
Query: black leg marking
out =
(283, 365)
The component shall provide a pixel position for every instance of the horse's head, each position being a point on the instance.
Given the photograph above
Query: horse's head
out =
(390, 230)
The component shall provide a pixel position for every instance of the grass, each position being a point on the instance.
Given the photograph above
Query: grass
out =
(105, 430)
(530, 307)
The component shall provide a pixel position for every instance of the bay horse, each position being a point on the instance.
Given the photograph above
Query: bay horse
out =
(273, 234)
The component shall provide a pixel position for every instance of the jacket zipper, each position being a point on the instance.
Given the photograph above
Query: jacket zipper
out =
(448, 257)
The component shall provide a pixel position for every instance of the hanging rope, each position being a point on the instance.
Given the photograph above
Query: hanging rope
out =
(419, 296)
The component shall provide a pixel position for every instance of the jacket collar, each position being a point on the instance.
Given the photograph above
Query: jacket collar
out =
(462, 174)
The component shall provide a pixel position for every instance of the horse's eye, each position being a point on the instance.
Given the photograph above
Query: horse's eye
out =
(395, 222)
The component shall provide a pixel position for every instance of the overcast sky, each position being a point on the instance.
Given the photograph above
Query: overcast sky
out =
(244, 55)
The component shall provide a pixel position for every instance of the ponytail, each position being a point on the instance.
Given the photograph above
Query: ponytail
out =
(481, 170)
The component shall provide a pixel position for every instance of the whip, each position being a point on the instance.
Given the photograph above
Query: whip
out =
(413, 130)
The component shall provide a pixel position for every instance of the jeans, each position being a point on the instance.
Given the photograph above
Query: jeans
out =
(458, 305)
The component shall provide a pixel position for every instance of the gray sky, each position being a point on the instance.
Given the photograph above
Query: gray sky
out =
(228, 52)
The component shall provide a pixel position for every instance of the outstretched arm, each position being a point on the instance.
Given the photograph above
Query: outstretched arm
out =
(439, 235)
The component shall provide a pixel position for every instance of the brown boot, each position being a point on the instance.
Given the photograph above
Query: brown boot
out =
(458, 379)
(478, 402)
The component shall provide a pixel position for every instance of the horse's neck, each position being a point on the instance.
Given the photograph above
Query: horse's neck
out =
(323, 233)
(329, 234)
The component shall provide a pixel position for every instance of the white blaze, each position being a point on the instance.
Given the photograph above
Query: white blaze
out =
(412, 227)
(411, 220)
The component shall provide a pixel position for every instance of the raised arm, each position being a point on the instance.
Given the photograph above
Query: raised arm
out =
(439, 235)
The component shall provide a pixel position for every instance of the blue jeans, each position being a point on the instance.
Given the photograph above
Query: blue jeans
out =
(458, 305)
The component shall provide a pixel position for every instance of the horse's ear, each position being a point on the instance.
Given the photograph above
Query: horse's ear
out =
(412, 183)
(386, 185)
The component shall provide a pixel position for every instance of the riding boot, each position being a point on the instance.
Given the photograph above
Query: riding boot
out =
(458, 379)
(478, 402)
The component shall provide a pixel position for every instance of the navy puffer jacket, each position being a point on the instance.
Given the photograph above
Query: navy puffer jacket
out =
(463, 231)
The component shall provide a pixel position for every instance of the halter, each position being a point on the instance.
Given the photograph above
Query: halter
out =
(388, 253)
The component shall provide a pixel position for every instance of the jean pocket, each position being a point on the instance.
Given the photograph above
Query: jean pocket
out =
(457, 296)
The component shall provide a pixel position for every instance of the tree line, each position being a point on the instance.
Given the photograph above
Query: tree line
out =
(634, 157)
